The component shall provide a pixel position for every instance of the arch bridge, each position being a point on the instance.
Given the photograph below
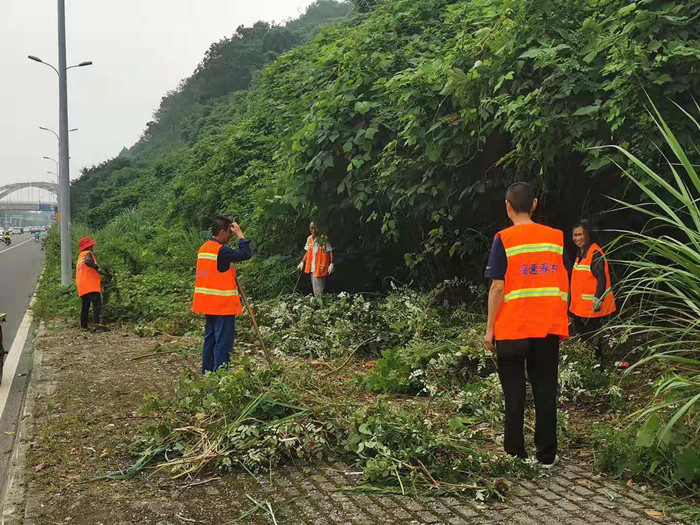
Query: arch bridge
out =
(8, 189)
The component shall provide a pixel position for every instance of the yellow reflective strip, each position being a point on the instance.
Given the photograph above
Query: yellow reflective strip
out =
(79, 261)
(591, 297)
(211, 291)
(534, 248)
(536, 292)
(210, 256)
(582, 267)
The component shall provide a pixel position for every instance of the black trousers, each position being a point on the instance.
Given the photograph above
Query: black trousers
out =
(588, 328)
(541, 357)
(96, 299)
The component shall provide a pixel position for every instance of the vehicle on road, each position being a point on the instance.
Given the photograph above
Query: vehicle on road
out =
(7, 239)
(15, 231)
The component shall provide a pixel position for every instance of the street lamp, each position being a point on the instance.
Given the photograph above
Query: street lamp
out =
(52, 131)
(52, 160)
(57, 178)
(37, 59)
(63, 147)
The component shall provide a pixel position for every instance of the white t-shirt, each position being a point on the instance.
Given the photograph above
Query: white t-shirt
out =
(329, 248)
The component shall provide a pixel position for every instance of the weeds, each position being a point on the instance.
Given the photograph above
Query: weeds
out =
(661, 294)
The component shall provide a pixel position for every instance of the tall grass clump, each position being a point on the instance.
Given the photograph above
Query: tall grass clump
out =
(661, 306)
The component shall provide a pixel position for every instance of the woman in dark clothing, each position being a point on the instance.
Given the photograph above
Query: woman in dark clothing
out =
(592, 300)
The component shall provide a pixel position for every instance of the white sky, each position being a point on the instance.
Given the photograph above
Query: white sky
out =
(140, 48)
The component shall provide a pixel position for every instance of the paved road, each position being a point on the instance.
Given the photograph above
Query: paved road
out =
(20, 266)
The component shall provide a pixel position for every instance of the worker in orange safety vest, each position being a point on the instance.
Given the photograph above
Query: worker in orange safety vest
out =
(527, 317)
(88, 283)
(592, 300)
(318, 260)
(216, 291)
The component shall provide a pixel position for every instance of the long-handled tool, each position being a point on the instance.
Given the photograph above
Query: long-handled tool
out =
(266, 350)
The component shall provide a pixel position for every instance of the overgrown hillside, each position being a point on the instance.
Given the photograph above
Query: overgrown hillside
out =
(399, 128)
(201, 100)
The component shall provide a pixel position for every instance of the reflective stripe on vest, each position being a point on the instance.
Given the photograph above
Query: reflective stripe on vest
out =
(536, 284)
(87, 280)
(584, 285)
(534, 248)
(221, 293)
(536, 292)
(215, 292)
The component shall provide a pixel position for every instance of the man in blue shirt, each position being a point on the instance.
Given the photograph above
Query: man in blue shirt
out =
(220, 330)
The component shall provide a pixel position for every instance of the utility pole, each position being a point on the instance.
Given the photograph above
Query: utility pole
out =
(63, 151)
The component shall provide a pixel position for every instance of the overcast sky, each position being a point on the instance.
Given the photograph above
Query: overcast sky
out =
(140, 48)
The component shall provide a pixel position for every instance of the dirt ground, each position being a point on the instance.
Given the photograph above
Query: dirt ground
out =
(90, 386)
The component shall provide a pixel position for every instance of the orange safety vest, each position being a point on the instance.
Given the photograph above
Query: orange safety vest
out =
(215, 292)
(87, 279)
(583, 287)
(536, 284)
(322, 259)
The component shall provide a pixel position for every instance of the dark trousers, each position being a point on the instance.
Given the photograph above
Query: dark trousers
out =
(588, 329)
(219, 334)
(541, 357)
(96, 299)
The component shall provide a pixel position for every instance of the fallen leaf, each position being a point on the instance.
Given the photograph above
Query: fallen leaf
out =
(40, 466)
(629, 482)
(582, 482)
(103, 453)
(653, 513)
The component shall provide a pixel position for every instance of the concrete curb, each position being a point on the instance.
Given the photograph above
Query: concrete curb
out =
(14, 505)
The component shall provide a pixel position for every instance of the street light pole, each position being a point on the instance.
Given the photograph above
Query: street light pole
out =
(63, 151)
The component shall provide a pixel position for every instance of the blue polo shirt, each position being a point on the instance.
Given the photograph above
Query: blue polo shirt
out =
(228, 255)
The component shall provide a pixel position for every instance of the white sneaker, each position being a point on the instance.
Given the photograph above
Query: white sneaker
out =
(551, 465)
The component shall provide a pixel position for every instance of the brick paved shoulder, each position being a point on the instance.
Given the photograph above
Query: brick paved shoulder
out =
(571, 495)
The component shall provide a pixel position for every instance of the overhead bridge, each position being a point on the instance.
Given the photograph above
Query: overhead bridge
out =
(32, 205)
(11, 188)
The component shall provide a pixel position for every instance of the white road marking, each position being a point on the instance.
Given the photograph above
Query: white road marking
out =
(16, 246)
(13, 357)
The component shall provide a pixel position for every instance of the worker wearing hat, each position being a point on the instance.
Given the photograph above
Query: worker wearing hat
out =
(87, 280)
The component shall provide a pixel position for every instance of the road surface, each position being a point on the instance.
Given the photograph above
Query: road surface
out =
(20, 266)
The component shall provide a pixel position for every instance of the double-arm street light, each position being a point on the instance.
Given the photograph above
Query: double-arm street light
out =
(52, 131)
(37, 59)
(63, 149)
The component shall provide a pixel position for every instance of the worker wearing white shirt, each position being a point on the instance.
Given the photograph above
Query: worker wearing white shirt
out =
(318, 260)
